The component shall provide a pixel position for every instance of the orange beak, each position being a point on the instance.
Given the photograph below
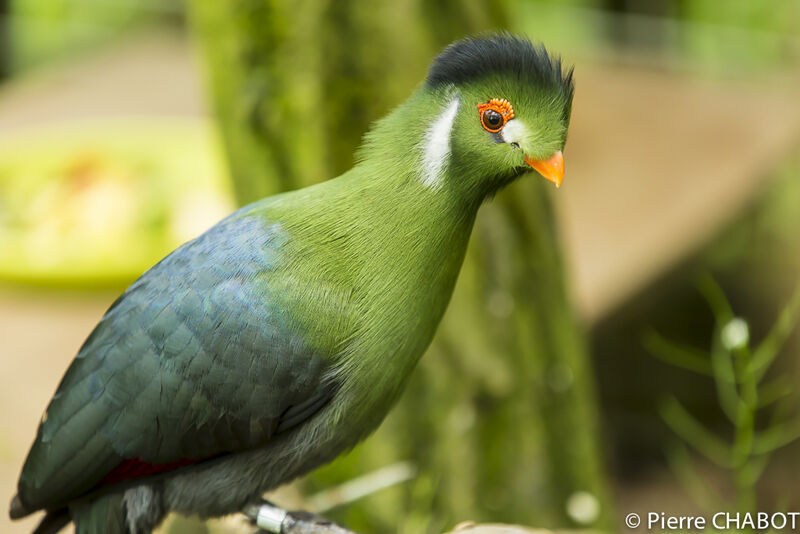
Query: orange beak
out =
(551, 169)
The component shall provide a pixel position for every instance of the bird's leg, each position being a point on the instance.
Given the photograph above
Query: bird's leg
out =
(267, 516)
(271, 518)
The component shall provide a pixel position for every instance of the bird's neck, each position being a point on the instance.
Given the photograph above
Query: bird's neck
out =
(422, 219)
(413, 219)
(387, 233)
(404, 246)
(415, 232)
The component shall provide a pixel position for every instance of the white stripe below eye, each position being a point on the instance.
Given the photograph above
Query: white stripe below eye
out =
(437, 146)
(514, 132)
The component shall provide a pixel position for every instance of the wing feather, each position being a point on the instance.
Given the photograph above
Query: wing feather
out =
(199, 357)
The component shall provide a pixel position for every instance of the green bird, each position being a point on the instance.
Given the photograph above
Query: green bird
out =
(282, 336)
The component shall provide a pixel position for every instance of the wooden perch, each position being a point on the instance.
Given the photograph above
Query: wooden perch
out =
(270, 518)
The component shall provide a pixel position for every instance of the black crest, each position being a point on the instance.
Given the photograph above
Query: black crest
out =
(475, 57)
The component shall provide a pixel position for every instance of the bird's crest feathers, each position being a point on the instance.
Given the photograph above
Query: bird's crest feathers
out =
(476, 57)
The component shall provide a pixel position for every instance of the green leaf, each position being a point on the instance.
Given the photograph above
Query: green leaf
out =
(672, 353)
(753, 470)
(774, 391)
(694, 433)
(685, 470)
(775, 437)
(766, 352)
(716, 299)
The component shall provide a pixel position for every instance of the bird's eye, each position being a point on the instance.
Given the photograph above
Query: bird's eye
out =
(495, 114)
(492, 120)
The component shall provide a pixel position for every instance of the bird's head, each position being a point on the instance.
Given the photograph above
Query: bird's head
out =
(504, 108)
(490, 109)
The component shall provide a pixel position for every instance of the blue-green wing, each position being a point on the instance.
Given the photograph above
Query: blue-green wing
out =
(199, 357)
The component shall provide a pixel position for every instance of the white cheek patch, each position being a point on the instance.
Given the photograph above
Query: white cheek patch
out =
(437, 146)
(514, 132)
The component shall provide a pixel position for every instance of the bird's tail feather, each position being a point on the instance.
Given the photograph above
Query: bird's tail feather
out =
(54, 521)
(104, 515)
(17, 510)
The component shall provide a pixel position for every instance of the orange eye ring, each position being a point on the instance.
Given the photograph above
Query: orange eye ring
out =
(495, 114)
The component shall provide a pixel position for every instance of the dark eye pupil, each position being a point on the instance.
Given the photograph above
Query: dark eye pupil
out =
(492, 118)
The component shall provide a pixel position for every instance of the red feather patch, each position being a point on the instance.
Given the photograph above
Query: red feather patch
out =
(135, 468)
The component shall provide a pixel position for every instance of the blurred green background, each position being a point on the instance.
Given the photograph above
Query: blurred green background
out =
(582, 370)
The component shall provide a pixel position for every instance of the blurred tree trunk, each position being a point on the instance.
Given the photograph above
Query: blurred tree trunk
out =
(500, 417)
(5, 39)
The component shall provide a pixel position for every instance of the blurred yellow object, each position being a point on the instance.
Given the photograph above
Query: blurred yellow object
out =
(96, 204)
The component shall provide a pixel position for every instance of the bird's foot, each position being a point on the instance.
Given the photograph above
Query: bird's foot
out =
(271, 518)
